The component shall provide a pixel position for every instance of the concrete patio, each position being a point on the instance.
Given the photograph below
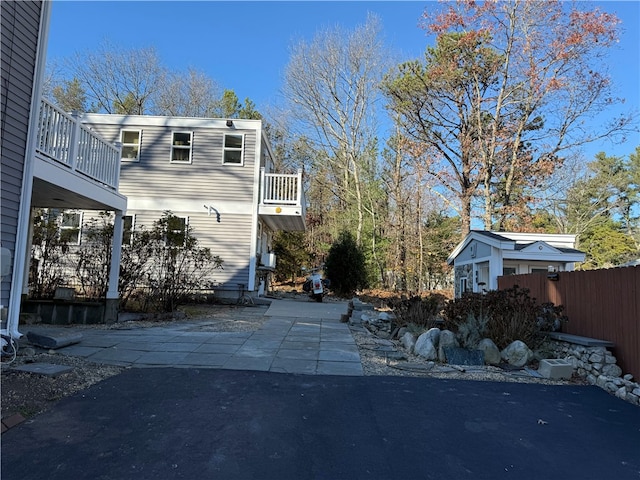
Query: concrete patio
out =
(297, 337)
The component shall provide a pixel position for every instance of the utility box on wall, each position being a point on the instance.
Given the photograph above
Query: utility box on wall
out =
(268, 260)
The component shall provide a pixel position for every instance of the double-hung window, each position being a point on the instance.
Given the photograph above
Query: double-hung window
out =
(233, 149)
(130, 140)
(70, 225)
(127, 229)
(176, 232)
(181, 147)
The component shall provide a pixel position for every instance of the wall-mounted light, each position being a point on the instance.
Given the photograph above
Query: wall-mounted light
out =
(210, 209)
(229, 123)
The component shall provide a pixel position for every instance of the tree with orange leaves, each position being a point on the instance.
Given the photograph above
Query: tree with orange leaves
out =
(506, 92)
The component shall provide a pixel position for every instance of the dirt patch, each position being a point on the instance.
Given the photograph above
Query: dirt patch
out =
(29, 393)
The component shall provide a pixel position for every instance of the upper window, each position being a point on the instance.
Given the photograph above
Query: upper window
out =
(233, 146)
(130, 140)
(181, 147)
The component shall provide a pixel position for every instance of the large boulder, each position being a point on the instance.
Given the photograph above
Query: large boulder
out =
(408, 341)
(491, 352)
(434, 335)
(447, 340)
(517, 354)
(424, 347)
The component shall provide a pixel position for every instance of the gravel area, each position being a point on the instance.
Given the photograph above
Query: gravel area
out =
(379, 357)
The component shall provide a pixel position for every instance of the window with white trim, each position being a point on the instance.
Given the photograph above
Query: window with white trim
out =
(70, 227)
(233, 149)
(181, 147)
(176, 231)
(130, 140)
(127, 229)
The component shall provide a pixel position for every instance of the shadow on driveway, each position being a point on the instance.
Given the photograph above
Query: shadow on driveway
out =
(165, 423)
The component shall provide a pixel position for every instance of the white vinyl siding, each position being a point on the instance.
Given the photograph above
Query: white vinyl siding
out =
(155, 185)
(232, 244)
(209, 181)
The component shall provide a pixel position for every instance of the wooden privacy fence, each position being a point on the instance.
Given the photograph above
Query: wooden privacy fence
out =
(601, 304)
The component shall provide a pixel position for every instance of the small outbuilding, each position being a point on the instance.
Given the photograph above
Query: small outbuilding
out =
(483, 256)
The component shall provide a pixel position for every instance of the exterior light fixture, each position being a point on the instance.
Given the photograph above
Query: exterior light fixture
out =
(229, 123)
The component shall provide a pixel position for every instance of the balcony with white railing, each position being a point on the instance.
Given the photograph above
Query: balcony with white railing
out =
(282, 204)
(63, 139)
(71, 157)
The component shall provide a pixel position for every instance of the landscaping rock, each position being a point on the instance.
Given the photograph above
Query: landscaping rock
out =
(517, 354)
(434, 335)
(424, 347)
(611, 370)
(491, 352)
(447, 340)
(408, 341)
(462, 356)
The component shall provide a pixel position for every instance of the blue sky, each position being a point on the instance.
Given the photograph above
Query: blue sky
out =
(244, 46)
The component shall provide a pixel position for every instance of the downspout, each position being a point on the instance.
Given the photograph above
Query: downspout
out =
(24, 215)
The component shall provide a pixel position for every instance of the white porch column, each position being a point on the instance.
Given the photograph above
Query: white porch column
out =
(113, 298)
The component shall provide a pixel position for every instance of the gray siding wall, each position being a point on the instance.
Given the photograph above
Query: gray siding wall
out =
(482, 250)
(19, 27)
(205, 181)
(230, 239)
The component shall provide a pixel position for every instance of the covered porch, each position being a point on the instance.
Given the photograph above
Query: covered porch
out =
(75, 169)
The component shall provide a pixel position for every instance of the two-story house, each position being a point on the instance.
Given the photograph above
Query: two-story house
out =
(49, 160)
(217, 176)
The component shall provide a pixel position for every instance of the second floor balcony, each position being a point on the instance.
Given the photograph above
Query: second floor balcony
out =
(74, 167)
(282, 204)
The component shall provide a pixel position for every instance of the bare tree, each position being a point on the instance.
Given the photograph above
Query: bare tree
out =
(331, 84)
(117, 80)
(193, 94)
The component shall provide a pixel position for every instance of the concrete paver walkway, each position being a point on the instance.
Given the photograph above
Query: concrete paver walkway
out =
(297, 337)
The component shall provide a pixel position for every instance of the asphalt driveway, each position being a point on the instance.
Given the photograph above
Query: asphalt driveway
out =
(166, 423)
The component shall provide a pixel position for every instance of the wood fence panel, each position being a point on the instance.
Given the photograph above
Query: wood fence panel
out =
(600, 304)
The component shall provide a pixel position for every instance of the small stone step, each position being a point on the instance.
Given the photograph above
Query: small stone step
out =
(47, 369)
(53, 340)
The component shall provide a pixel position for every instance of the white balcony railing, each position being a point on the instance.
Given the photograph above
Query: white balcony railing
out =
(281, 189)
(63, 139)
